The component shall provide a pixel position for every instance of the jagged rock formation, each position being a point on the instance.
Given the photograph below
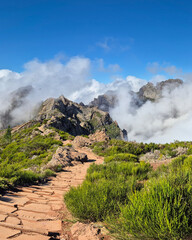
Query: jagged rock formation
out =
(153, 93)
(77, 119)
(148, 92)
(105, 102)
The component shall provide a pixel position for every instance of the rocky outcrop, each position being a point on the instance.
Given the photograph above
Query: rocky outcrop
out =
(98, 136)
(152, 156)
(156, 155)
(66, 156)
(153, 93)
(148, 92)
(105, 102)
(76, 119)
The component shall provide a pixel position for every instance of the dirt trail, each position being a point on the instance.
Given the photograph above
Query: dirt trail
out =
(36, 212)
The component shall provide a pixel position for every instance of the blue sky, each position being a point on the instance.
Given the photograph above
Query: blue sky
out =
(125, 37)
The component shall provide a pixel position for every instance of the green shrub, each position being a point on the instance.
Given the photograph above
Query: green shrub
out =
(106, 187)
(99, 148)
(64, 135)
(112, 130)
(95, 201)
(115, 146)
(4, 185)
(26, 152)
(127, 157)
(113, 170)
(48, 173)
(7, 136)
(162, 210)
(24, 177)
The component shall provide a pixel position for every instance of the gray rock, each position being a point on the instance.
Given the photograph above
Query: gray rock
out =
(66, 156)
(76, 119)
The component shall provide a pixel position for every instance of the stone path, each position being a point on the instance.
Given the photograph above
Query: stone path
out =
(34, 213)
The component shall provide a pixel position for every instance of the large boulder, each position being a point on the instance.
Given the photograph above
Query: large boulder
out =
(66, 156)
(98, 136)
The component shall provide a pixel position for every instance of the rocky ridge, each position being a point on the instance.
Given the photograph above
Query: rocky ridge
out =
(77, 119)
(148, 92)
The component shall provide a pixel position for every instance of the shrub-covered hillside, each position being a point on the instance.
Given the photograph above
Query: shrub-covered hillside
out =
(133, 200)
(24, 152)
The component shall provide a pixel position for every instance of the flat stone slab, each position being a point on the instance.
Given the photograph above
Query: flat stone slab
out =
(37, 207)
(6, 209)
(31, 237)
(29, 195)
(2, 217)
(37, 200)
(56, 207)
(8, 232)
(13, 220)
(14, 199)
(51, 226)
(26, 215)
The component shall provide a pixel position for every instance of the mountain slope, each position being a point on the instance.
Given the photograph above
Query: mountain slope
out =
(77, 119)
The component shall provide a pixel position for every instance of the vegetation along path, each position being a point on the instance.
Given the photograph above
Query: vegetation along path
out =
(36, 212)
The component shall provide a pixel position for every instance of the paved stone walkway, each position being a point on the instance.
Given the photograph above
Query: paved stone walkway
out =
(34, 213)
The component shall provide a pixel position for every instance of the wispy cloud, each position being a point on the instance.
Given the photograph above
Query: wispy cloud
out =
(110, 43)
(110, 68)
(155, 68)
(106, 44)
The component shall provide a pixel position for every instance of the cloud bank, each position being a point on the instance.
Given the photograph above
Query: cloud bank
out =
(168, 119)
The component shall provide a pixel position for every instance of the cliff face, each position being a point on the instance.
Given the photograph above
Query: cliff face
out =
(77, 119)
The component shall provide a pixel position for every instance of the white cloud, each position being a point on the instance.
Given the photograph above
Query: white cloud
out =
(109, 44)
(105, 45)
(135, 83)
(158, 78)
(111, 68)
(155, 68)
(168, 119)
(48, 79)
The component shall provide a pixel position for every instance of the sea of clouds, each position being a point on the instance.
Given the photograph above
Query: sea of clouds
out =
(166, 120)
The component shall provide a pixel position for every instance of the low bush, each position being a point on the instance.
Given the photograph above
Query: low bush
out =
(106, 187)
(21, 159)
(63, 135)
(162, 210)
(127, 157)
(117, 192)
(113, 170)
(94, 201)
(115, 146)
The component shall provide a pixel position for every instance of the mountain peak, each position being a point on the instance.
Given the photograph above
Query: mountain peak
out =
(77, 119)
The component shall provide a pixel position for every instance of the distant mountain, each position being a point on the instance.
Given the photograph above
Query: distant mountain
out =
(148, 92)
(153, 92)
(105, 102)
(77, 119)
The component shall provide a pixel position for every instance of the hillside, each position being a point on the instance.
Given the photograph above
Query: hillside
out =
(142, 173)
(134, 181)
